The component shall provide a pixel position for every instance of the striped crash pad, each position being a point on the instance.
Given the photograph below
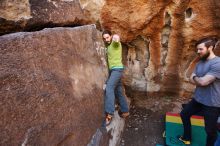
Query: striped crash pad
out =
(174, 128)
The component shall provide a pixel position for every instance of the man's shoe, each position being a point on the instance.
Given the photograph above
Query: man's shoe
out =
(123, 114)
(186, 142)
(107, 120)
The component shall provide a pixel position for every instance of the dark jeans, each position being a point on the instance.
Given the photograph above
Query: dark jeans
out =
(210, 116)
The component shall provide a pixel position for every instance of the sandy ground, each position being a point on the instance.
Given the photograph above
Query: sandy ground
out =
(146, 124)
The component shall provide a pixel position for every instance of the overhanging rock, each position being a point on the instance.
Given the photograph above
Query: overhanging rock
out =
(29, 15)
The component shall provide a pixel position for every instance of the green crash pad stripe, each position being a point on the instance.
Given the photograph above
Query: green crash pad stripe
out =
(174, 128)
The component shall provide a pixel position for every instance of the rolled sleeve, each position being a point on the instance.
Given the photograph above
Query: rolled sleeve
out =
(215, 70)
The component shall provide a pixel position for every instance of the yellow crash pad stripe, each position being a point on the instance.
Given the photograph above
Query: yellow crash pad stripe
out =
(175, 118)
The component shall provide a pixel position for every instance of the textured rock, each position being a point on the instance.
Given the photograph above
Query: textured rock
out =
(111, 135)
(20, 15)
(158, 41)
(158, 35)
(15, 10)
(92, 10)
(51, 86)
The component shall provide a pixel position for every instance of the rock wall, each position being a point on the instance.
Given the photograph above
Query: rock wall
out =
(158, 36)
(51, 86)
(158, 41)
(92, 10)
(111, 135)
(30, 15)
(51, 80)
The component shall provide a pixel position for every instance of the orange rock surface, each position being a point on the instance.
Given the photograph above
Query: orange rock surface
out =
(159, 38)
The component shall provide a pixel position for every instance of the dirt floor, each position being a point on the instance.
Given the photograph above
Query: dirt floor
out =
(145, 126)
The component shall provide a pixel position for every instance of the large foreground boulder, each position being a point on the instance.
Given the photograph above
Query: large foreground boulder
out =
(51, 86)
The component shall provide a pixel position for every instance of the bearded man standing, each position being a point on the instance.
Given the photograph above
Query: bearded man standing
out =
(206, 97)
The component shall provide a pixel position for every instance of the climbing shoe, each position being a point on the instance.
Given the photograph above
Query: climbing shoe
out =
(107, 120)
(186, 142)
(123, 114)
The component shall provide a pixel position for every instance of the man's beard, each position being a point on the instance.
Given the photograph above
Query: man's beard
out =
(107, 43)
(205, 56)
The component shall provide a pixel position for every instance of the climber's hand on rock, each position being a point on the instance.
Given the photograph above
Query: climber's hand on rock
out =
(116, 38)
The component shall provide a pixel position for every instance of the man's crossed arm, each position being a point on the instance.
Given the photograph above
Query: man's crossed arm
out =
(202, 81)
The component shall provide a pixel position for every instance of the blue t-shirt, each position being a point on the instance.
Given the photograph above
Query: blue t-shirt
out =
(208, 95)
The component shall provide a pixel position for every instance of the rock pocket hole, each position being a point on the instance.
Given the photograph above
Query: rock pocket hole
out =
(188, 13)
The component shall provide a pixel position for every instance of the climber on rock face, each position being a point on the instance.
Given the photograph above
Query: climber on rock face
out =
(206, 98)
(114, 84)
